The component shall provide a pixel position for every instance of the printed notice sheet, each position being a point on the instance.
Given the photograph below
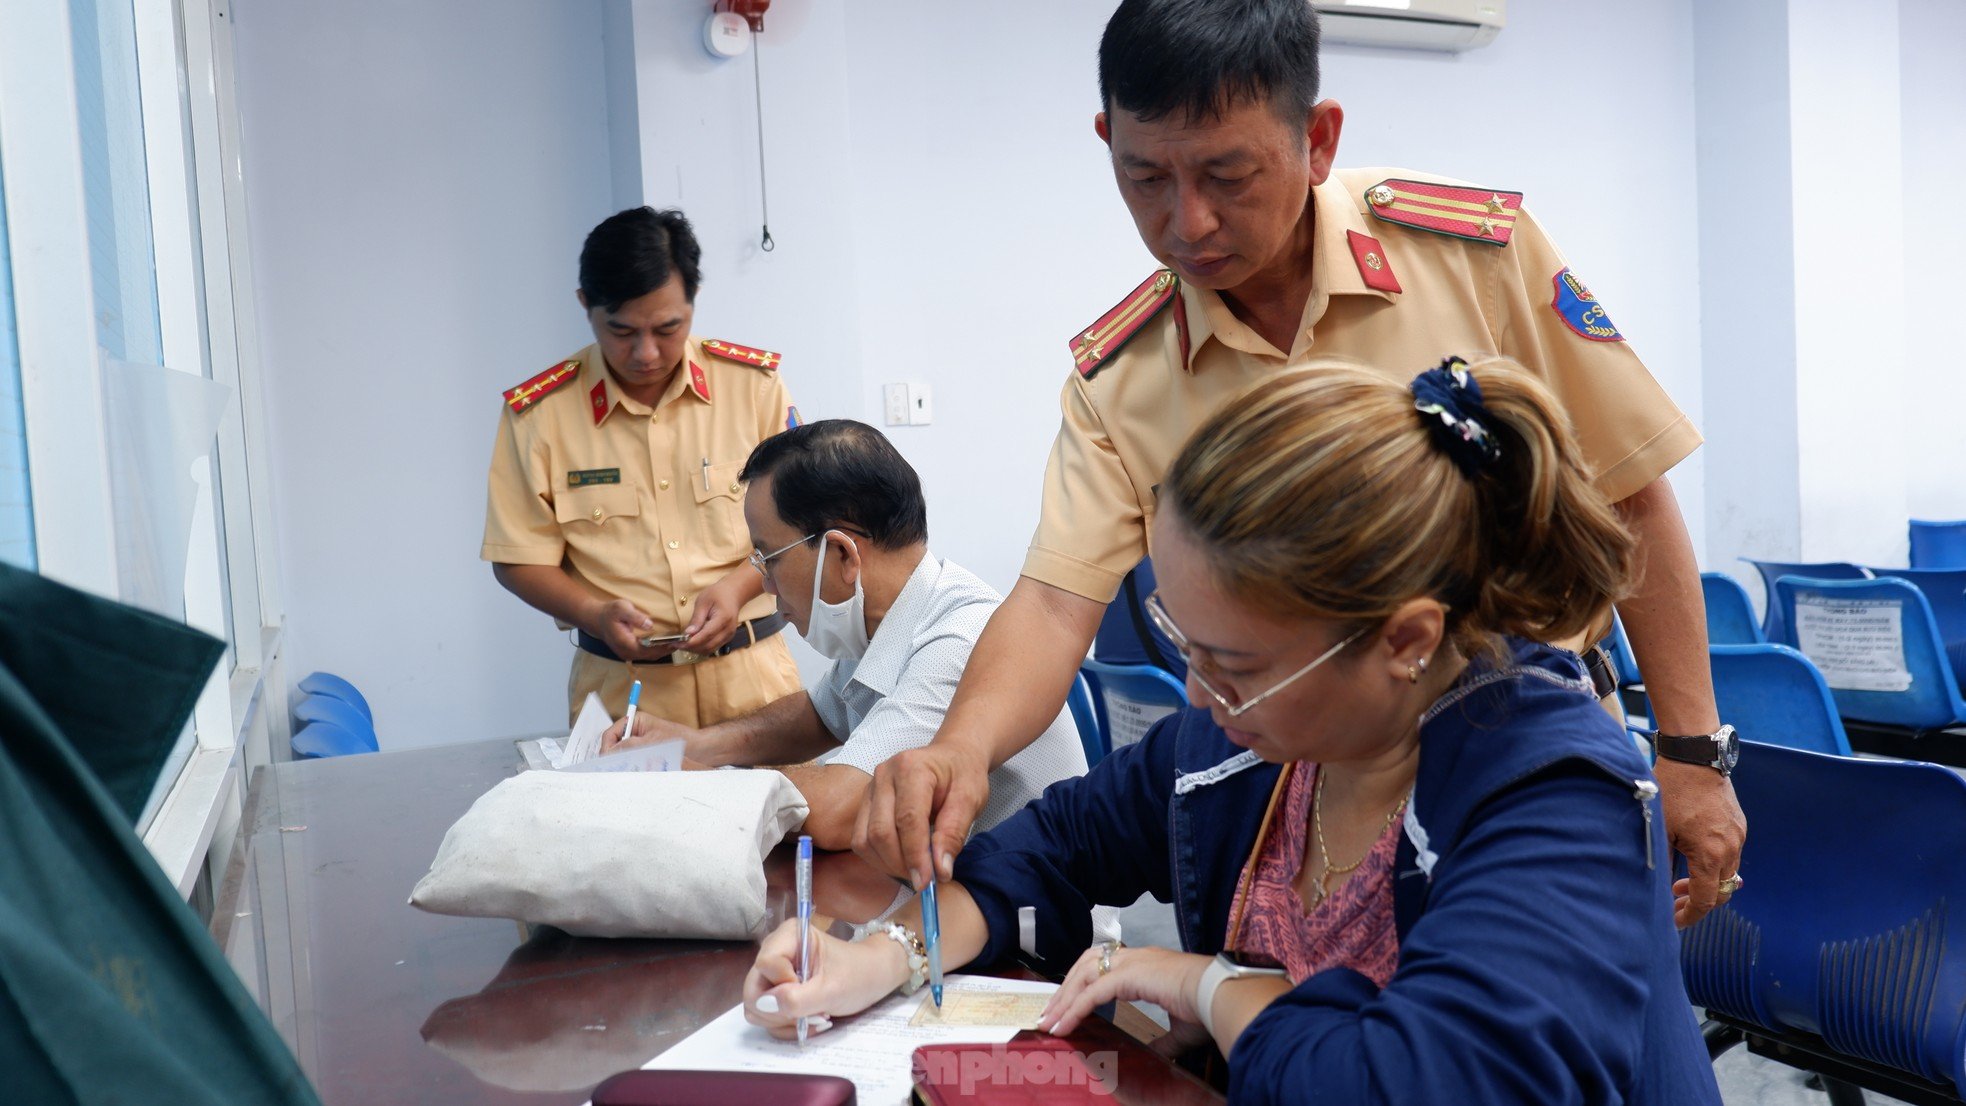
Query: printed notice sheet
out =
(875, 1049)
(1858, 644)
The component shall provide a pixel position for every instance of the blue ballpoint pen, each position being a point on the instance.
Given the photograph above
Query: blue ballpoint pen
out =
(932, 937)
(634, 697)
(804, 879)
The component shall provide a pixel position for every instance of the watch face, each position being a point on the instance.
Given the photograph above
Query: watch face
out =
(1255, 960)
(1730, 747)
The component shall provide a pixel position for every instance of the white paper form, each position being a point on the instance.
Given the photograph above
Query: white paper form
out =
(875, 1049)
(580, 750)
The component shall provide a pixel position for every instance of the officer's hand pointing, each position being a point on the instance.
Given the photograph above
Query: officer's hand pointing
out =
(935, 792)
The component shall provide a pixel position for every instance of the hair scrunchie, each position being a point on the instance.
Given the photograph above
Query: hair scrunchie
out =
(1449, 401)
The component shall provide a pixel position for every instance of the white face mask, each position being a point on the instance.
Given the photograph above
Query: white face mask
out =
(837, 630)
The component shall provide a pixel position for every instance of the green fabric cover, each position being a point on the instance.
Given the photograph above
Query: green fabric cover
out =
(111, 991)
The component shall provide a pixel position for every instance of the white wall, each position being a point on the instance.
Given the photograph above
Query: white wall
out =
(420, 179)
(943, 214)
(1934, 113)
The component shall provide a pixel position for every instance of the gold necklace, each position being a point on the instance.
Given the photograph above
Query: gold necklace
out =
(1317, 829)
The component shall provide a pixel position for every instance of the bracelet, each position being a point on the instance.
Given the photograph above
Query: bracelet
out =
(913, 948)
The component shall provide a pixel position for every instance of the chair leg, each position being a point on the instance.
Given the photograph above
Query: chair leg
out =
(1719, 1038)
(1843, 1094)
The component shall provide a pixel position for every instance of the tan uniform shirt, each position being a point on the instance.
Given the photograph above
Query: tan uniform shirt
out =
(641, 503)
(1125, 422)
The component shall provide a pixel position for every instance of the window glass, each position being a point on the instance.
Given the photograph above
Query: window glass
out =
(16, 501)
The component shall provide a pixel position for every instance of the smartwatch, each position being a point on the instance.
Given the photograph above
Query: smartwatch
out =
(1225, 967)
(1719, 750)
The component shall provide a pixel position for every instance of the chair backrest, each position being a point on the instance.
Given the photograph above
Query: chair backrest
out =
(1877, 647)
(1086, 717)
(1730, 613)
(1849, 926)
(326, 708)
(1938, 544)
(1771, 571)
(325, 739)
(1945, 590)
(1131, 698)
(1623, 661)
(333, 686)
(1773, 695)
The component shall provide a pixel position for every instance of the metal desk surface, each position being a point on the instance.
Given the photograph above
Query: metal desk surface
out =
(384, 1003)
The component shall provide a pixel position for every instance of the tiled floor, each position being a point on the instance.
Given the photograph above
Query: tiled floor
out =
(1745, 1079)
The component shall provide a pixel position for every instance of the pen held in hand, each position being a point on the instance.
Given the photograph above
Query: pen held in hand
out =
(628, 720)
(804, 880)
(932, 937)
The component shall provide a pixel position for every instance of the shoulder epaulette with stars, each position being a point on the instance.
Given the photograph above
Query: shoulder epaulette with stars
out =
(1477, 214)
(534, 390)
(743, 355)
(1104, 338)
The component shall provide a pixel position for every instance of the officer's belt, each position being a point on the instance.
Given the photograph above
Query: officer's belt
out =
(748, 634)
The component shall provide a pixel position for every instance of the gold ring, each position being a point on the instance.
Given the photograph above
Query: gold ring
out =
(1731, 884)
(1106, 950)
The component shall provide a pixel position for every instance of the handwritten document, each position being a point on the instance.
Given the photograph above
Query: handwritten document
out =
(875, 1048)
(1015, 1009)
(1858, 644)
(580, 750)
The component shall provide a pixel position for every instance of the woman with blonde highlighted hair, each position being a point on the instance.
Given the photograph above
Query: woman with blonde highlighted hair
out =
(1412, 860)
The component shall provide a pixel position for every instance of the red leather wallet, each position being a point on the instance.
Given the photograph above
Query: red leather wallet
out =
(1039, 1071)
(716, 1088)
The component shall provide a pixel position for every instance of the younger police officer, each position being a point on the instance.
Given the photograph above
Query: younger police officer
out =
(614, 501)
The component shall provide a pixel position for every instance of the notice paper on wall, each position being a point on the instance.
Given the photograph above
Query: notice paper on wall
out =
(1129, 719)
(1858, 644)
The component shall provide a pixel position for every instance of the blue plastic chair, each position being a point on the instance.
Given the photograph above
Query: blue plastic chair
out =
(1771, 571)
(1086, 717)
(1936, 544)
(1846, 943)
(325, 739)
(322, 708)
(1730, 613)
(334, 687)
(1773, 695)
(1945, 590)
(1140, 693)
(1932, 700)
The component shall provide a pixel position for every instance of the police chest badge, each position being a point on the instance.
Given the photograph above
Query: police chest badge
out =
(1580, 310)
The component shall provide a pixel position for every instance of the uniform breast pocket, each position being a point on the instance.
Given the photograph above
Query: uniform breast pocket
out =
(587, 513)
(720, 510)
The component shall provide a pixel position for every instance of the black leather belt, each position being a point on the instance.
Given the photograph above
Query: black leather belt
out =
(748, 634)
(1604, 676)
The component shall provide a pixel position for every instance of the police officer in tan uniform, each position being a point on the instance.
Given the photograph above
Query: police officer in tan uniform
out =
(615, 504)
(1274, 259)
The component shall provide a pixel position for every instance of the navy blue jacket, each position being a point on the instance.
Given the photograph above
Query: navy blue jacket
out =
(1538, 959)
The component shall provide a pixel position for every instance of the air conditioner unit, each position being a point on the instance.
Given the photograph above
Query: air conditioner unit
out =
(1449, 25)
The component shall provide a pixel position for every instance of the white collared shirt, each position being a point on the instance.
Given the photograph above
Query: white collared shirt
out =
(896, 695)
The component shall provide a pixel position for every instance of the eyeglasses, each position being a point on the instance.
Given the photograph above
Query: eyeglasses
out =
(1158, 615)
(762, 561)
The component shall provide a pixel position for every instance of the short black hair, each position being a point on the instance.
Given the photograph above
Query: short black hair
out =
(1200, 57)
(838, 473)
(634, 252)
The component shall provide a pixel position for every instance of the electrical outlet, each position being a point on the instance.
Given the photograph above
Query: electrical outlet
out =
(896, 403)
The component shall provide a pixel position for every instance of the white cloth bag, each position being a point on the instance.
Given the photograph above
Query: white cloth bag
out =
(635, 854)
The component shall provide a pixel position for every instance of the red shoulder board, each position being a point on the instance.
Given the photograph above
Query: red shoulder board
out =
(743, 355)
(534, 390)
(1477, 214)
(1100, 341)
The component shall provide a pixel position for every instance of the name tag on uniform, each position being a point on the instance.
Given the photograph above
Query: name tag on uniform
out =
(584, 477)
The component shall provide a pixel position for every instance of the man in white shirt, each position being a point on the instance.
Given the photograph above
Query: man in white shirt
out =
(839, 529)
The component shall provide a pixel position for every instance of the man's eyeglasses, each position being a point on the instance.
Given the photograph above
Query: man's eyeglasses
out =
(761, 560)
(1158, 615)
